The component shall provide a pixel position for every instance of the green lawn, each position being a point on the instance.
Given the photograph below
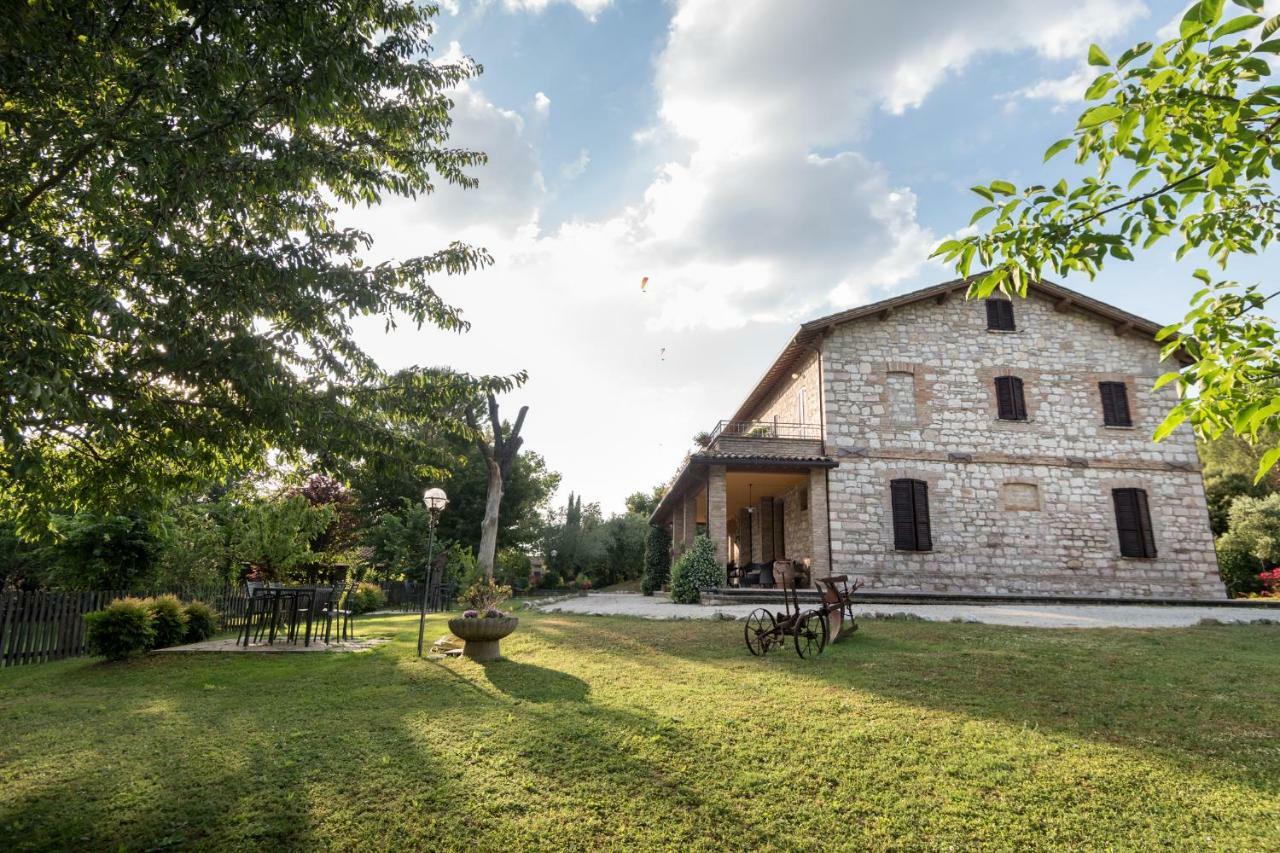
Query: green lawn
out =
(610, 733)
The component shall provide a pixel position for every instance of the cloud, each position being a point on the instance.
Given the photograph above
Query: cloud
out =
(764, 212)
(1061, 90)
(574, 169)
(591, 9)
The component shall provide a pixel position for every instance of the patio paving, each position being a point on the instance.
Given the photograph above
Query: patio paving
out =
(1021, 615)
(228, 644)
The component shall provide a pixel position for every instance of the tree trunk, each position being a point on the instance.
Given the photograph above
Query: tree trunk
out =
(489, 527)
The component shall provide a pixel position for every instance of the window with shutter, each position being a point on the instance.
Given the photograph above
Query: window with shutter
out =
(1011, 405)
(1115, 404)
(1133, 523)
(909, 500)
(1000, 315)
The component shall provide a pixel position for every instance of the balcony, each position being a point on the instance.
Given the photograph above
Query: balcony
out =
(766, 437)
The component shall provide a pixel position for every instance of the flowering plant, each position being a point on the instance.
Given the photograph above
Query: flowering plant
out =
(493, 613)
(469, 614)
(1270, 583)
(484, 596)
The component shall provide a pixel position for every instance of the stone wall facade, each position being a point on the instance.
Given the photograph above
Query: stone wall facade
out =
(1015, 506)
(784, 404)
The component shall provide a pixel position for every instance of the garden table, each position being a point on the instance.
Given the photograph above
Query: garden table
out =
(275, 601)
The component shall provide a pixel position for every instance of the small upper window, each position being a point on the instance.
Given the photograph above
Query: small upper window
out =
(1010, 403)
(1115, 404)
(1133, 523)
(1000, 315)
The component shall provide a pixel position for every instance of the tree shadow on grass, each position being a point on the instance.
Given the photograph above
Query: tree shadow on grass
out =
(535, 683)
(221, 752)
(1159, 692)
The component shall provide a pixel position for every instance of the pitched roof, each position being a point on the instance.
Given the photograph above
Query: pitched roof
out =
(803, 340)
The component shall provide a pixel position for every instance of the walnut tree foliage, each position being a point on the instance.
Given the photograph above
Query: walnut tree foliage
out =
(176, 297)
(1185, 138)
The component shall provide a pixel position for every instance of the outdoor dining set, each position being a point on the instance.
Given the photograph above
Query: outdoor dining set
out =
(311, 611)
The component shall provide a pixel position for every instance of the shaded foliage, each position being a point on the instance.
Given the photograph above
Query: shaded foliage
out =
(176, 294)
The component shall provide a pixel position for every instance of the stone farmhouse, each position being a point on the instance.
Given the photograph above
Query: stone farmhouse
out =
(932, 443)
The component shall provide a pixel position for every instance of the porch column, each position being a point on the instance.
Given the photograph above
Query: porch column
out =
(677, 529)
(819, 523)
(718, 513)
(689, 509)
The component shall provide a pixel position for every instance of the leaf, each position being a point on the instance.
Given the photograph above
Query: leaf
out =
(1271, 26)
(1127, 126)
(980, 212)
(1272, 46)
(1191, 22)
(1235, 25)
(1171, 422)
(1097, 57)
(1251, 5)
(1133, 53)
(1003, 187)
(1166, 378)
(1099, 115)
(1056, 147)
(1267, 462)
(984, 192)
(1203, 275)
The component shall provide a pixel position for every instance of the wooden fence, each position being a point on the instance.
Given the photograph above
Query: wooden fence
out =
(36, 627)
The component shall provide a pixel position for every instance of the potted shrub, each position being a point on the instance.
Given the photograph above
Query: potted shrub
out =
(483, 625)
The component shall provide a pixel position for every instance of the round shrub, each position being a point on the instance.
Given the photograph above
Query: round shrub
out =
(168, 621)
(202, 622)
(1237, 566)
(120, 629)
(696, 570)
(366, 598)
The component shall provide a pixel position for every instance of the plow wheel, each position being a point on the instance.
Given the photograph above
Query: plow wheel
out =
(811, 635)
(760, 632)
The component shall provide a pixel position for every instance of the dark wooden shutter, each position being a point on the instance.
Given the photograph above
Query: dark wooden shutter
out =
(909, 500)
(1000, 315)
(1133, 522)
(1115, 404)
(924, 536)
(1011, 405)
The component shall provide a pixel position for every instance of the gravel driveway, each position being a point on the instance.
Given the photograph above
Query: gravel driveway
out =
(1024, 615)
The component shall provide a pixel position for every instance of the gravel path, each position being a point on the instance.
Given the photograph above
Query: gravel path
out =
(1024, 615)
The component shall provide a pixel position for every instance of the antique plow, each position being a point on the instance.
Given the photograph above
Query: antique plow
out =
(809, 630)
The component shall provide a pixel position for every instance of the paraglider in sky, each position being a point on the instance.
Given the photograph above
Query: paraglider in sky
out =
(644, 282)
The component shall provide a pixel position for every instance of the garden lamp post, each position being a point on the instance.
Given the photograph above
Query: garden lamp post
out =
(434, 500)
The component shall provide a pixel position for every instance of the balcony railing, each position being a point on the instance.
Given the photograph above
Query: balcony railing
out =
(766, 429)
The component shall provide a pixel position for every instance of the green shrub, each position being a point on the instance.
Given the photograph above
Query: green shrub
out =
(1237, 566)
(696, 570)
(202, 622)
(657, 560)
(366, 598)
(168, 621)
(121, 629)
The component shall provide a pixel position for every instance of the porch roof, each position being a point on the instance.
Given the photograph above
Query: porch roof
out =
(690, 472)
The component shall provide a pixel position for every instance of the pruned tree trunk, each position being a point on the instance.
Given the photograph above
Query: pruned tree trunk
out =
(489, 527)
(499, 453)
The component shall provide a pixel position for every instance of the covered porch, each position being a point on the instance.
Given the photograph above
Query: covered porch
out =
(755, 508)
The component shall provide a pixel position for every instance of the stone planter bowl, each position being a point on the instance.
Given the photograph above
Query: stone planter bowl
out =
(481, 635)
